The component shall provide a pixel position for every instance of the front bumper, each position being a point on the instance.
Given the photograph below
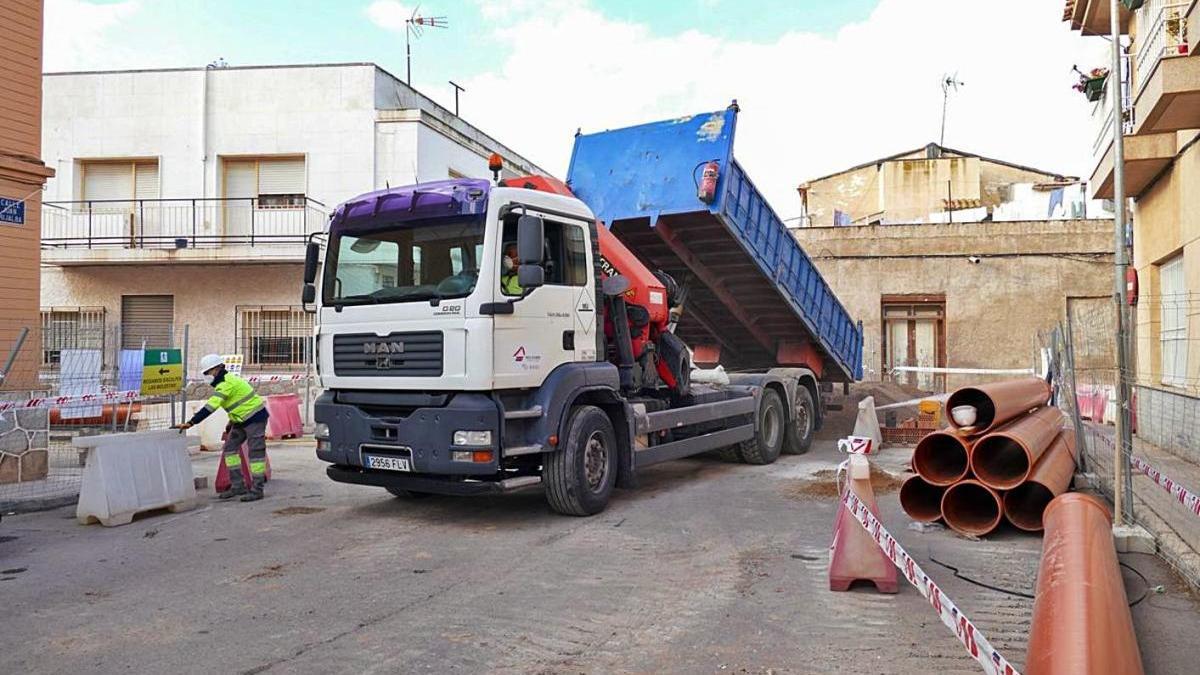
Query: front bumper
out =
(430, 484)
(423, 434)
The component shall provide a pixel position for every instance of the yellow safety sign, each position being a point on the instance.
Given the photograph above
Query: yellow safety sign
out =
(162, 372)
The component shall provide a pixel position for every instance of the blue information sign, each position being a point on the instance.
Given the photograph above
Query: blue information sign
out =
(12, 211)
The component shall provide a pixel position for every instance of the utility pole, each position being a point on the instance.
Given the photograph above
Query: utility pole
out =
(1122, 478)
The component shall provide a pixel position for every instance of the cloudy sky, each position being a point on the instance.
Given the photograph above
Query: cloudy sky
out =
(822, 85)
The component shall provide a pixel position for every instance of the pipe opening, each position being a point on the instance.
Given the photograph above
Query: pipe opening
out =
(921, 500)
(1025, 504)
(940, 458)
(1000, 462)
(971, 508)
(985, 410)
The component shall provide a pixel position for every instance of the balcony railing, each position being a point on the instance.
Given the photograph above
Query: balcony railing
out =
(1103, 118)
(178, 223)
(1165, 38)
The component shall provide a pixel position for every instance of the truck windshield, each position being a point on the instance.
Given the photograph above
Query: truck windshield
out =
(405, 262)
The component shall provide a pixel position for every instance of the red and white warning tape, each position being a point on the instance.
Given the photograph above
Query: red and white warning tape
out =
(1187, 498)
(258, 379)
(83, 399)
(970, 637)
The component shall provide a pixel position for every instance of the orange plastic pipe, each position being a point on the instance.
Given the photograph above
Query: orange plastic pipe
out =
(1004, 458)
(1081, 620)
(1025, 504)
(942, 458)
(970, 507)
(921, 500)
(998, 402)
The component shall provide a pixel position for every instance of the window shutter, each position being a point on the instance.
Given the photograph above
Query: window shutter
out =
(241, 179)
(107, 181)
(281, 176)
(146, 180)
(147, 319)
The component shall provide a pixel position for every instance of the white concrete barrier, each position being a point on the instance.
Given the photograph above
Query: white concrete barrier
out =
(127, 474)
(210, 431)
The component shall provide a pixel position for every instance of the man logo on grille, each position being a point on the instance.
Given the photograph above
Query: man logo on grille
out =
(383, 347)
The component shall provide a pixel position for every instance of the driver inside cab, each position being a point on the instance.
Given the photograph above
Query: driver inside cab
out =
(509, 284)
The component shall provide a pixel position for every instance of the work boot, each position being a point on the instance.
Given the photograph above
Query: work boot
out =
(231, 493)
(252, 496)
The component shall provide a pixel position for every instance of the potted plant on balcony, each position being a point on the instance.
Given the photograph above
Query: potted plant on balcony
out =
(1091, 83)
(1132, 5)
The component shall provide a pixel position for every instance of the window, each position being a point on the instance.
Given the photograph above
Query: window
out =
(147, 321)
(279, 337)
(71, 328)
(272, 183)
(1174, 317)
(565, 254)
(111, 184)
(914, 335)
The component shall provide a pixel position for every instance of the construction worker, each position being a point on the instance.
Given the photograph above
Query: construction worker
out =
(247, 424)
(509, 283)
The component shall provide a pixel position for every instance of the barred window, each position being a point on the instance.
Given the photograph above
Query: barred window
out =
(1173, 331)
(275, 337)
(71, 328)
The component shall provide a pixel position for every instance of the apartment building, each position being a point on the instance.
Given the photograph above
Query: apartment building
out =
(953, 260)
(184, 197)
(22, 174)
(1161, 109)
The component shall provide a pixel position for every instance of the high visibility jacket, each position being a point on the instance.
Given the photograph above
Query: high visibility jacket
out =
(236, 397)
(509, 284)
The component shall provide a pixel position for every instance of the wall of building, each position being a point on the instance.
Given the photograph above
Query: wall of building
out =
(206, 296)
(915, 188)
(994, 309)
(21, 176)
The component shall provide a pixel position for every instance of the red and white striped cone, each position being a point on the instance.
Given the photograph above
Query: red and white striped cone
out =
(853, 555)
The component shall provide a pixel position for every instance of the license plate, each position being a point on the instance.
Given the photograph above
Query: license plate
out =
(388, 463)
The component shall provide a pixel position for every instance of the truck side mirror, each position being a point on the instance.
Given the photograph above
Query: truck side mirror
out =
(311, 256)
(531, 276)
(531, 235)
(309, 295)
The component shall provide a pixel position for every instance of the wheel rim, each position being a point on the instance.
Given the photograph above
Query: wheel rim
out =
(771, 426)
(595, 461)
(802, 421)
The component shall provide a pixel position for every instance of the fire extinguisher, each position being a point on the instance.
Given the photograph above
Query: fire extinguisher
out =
(1131, 286)
(707, 188)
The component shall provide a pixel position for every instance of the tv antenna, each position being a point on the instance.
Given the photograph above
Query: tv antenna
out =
(414, 26)
(948, 82)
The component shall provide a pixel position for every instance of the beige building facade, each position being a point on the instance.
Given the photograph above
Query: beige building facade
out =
(22, 174)
(1161, 109)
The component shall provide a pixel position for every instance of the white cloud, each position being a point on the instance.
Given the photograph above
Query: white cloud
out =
(811, 103)
(388, 14)
(77, 32)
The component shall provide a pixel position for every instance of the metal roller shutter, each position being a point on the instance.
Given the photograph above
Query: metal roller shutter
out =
(145, 180)
(107, 181)
(281, 176)
(147, 320)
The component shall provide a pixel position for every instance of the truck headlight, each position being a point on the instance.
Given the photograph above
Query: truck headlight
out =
(321, 431)
(473, 438)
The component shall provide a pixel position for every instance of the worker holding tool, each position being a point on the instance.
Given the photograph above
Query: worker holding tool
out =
(247, 424)
(509, 284)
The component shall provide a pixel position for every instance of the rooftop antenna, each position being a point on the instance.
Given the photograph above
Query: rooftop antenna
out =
(415, 26)
(948, 82)
(457, 88)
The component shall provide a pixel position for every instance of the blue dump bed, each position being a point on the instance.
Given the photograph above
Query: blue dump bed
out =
(751, 289)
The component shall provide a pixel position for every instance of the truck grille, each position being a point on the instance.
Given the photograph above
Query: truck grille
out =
(404, 354)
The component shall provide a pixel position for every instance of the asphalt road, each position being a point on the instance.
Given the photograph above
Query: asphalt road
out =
(706, 568)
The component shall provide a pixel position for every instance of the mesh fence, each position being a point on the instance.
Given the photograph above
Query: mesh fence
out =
(1162, 460)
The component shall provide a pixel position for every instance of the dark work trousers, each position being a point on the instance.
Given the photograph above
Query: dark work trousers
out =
(254, 435)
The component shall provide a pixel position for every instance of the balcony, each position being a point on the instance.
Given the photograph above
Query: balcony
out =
(195, 231)
(1145, 157)
(1166, 82)
(1092, 17)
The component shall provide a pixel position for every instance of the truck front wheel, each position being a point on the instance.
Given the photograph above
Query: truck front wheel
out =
(799, 436)
(766, 445)
(580, 476)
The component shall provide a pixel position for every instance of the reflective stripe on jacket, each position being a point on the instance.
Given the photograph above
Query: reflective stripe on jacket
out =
(236, 397)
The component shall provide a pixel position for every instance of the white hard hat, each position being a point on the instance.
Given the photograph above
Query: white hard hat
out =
(210, 361)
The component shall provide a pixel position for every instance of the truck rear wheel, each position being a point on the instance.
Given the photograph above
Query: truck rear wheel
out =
(579, 478)
(799, 436)
(766, 445)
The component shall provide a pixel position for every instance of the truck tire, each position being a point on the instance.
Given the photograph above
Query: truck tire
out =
(730, 453)
(580, 477)
(799, 436)
(766, 445)
(400, 493)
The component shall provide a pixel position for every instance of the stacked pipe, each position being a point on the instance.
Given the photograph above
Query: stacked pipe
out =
(1007, 460)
